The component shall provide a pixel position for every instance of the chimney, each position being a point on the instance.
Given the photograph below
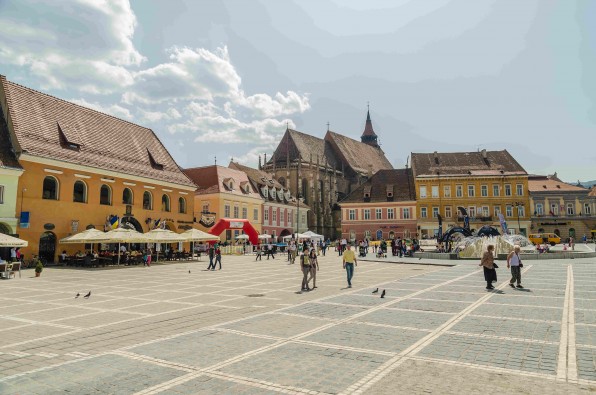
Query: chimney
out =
(484, 154)
(436, 155)
(265, 160)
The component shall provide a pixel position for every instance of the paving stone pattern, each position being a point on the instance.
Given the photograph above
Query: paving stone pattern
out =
(163, 330)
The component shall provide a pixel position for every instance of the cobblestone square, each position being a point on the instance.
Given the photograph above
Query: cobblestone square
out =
(163, 330)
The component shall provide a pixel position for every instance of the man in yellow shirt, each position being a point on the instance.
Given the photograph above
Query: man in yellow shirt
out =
(349, 261)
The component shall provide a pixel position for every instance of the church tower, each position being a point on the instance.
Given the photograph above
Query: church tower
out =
(368, 136)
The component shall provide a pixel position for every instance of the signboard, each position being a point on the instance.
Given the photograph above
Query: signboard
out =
(24, 220)
(74, 226)
(235, 224)
(207, 219)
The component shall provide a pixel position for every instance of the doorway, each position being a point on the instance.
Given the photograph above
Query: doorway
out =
(47, 247)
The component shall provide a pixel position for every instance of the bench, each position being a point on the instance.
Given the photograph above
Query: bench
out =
(9, 269)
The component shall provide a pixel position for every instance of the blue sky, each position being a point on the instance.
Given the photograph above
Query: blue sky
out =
(223, 78)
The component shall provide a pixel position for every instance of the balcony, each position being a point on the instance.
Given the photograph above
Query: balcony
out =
(477, 219)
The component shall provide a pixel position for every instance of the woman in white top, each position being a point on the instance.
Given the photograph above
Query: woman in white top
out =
(514, 262)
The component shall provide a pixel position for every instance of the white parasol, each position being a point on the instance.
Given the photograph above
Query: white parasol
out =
(9, 241)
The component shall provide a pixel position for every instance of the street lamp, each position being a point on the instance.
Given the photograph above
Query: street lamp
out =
(517, 206)
(297, 215)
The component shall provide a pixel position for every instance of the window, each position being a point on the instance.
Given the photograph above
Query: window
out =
(274, 217)
(422, 192)
(289, 217)
(378, 213)
(273, 193)
(471, 191)
(447, 191)
(435, 212)
(509, 211)
(165, 203)
(485, 212)
(448, 212)
(484, 190)
(554, 209)
(181, 205)
(507, 189)
(79, 192)
(351, 214)
(406, 213)
(390, 213)
(50, 188)
(497, 211)
(255, 214)
(435, 191)
(148, 200)
(519, 188)
(303, 218)
(587, 208)
(539, 209)
(570, 210)
(244, 213)
(459, 191)
(205, 206)
(495, 189)
(423, 212)
(521, 211)
(2, 194)
(266, 215)
(472, 212)
(236, 211)
(105, 195)
(367, 214)
(227, 211)
(127, 196)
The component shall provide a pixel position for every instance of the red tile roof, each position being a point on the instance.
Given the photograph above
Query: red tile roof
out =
(544, 184)
(359, 156)
(48, 127)
(465, 163)
(213, 179)
(399, 182)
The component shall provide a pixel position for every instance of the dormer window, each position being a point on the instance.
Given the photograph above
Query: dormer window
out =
(153, 161)
(389, 191)
(229, 183)
(273, 193)
(265, 192)
(244, 187)
(367, 189)
(69, 137)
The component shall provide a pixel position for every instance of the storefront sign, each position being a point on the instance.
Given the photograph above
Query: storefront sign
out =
(236, 224)
(74, 226)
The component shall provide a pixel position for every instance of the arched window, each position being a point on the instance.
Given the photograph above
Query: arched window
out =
(181, 205)
(282, 181)
(105, 195)
(127, 196)
(305, 191)
(79, 193)
(50, 188)
(147, 200)
(165, 203)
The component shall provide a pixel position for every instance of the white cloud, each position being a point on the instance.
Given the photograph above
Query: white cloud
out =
(85, 44)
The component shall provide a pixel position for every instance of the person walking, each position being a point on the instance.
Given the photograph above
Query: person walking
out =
(259, 251)
(211, 256)
(217, 257)
(305, 267)
(349, 261)
(514, 262)
(314, 267)
(324, 247)
(293, 250)
(488, 264)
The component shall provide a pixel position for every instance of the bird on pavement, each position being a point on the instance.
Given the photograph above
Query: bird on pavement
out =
(87, 296)
(383, 294)
(77, 295)
(189, 272)
(375, 291)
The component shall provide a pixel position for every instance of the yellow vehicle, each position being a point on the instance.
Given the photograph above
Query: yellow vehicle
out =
(545, 238)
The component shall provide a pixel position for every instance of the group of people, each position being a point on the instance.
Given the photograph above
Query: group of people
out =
(514, 263)
(309, 264)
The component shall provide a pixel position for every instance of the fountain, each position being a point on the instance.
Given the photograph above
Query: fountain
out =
(474, 246)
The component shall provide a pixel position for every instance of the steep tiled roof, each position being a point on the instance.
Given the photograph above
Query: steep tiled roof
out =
(7, 157)
(368, 128)
(545, 184)
(260, 178)
(48, 127)
(359, 156)
(465, 163)
(593, 191)
(308, 147)
(398, 181)
(213, 179)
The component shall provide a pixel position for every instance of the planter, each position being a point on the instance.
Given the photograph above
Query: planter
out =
(37, 274)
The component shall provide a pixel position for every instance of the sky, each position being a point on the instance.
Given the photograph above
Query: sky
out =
(223, 79)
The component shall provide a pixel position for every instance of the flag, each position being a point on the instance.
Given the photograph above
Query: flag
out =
(156, 223)
(503, 223)
(114, 221)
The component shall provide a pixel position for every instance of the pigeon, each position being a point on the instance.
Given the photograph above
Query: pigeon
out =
(77, 295)
(383, 294)
(375, 291)
(87, 296)
(420, 258)
(189, 272)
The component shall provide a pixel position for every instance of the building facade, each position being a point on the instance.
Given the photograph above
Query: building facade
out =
(85, 169)
(224, 193)
(564, 209)
(484, 184)
(10, 171)
(384, 207)
(282, 213)
(324, 171)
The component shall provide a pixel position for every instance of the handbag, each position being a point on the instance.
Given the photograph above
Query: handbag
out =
(495, 265)
(519, 259)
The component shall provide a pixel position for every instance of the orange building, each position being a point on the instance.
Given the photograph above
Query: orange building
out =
(81, 167)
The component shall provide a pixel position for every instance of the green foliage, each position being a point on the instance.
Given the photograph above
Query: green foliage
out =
(38, 267)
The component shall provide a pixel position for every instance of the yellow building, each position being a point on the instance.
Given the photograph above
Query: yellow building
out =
(82, 167)
(224, 193)
(483, 183)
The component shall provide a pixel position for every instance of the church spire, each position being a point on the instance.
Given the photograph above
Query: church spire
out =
(368, 136)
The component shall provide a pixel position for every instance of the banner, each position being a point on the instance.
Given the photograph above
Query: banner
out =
(503, 223)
